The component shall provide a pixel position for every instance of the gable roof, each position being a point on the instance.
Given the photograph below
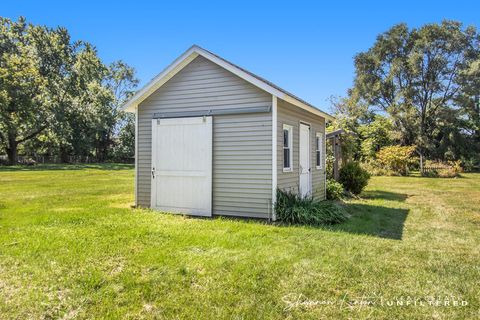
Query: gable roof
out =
(195, 51)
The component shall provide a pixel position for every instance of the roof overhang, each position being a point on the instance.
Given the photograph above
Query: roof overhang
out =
(193, 52)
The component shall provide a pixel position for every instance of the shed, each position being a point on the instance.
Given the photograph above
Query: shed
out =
(215, 139)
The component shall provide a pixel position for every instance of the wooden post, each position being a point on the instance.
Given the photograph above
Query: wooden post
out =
(336, 155)
(421, 163)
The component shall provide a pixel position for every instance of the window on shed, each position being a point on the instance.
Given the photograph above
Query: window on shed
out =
(318, 149)
(287, 148)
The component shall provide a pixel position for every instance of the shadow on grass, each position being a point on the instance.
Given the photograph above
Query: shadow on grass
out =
(45, 167)
(416, 174)
(384, 195)
(378, 221)
(371, 220)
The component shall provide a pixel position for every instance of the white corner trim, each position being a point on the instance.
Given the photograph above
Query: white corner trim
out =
(153, 185)
(325, 159)
(274, 156)
(136, 157)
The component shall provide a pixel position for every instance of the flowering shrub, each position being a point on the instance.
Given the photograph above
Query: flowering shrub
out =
(396, 158)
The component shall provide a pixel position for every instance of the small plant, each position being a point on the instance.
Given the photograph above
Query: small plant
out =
(291, 208)
(353, 177)
(334, 189)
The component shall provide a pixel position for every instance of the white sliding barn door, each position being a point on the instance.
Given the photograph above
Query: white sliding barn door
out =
(304, 156)
(182, 165)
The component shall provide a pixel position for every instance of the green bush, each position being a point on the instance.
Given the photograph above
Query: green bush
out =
(353, 177)
(291, 208)
(468, 164)
(334, 189)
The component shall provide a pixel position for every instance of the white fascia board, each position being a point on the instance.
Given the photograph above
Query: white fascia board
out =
(194, 51)
(240, 73)
(308, 108)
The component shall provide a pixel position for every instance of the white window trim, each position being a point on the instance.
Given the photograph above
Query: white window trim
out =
(319, 135)
(289, 128)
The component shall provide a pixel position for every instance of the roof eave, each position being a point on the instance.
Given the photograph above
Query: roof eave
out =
(194, 51)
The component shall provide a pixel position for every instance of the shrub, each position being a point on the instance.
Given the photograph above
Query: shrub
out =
(448, 173)
(396, 158)
(293, 209)
(468, 164)
(457, 166)
(439, 169)
(334, 189)
(353, 177)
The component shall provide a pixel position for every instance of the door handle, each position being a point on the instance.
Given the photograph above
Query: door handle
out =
(153, 173)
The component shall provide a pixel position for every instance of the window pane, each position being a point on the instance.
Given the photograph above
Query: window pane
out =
(286, 158)
(318, 158)
(318, 143)
(285, 138)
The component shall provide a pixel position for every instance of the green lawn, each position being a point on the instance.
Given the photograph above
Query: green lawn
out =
(71, 247)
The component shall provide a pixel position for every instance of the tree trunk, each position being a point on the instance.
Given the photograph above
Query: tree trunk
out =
(63, 154)
(12, 152)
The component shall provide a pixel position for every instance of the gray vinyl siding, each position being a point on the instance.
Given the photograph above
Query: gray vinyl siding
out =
(242, 165)
(241, 143)
(292, 115)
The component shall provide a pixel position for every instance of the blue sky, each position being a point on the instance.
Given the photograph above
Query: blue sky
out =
(306, 47)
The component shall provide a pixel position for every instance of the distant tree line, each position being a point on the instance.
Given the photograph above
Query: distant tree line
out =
(416, 87)
(57, 98)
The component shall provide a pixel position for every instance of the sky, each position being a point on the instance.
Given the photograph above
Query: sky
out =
(305, 47)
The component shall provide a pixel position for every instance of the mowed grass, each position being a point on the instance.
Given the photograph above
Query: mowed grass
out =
(71, 247)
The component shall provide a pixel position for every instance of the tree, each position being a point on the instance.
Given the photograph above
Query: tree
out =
(73, 73)
(366, 132)
(46, 82)
(24, 107)
(469, 102)
(57, 96)
(122, 82)
(375, 135)
(414, 75)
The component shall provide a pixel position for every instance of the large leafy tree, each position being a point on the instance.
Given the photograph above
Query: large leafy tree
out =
(122, 82)
(56, 94)
(418, 77)
(24, 106)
